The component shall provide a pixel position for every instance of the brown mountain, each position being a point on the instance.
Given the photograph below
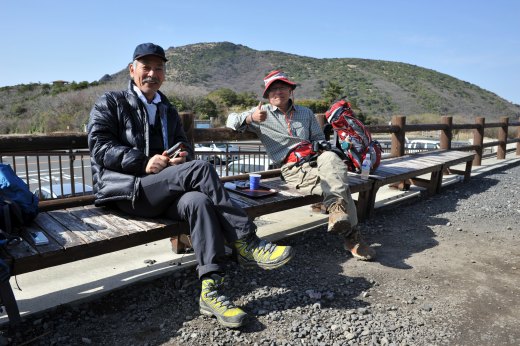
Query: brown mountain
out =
(379, 88)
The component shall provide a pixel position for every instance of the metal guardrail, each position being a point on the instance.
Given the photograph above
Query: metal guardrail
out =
(55, 174)
(61, 174)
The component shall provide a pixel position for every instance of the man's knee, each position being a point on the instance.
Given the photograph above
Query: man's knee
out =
(204, 166)
(330, 159)
(195, 200)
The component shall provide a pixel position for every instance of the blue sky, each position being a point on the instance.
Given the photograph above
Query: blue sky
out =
(474, 40)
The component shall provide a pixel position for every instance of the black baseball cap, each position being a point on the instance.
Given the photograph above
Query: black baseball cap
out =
(149, 49)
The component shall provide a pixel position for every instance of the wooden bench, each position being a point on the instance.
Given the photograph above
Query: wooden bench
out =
(401, 172)
(77, 230)
(82, 231)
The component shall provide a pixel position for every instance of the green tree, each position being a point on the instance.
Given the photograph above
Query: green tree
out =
(246, 99)
(332, 92)
(205, 108)
(78, 86)
(179, 103)
(317, 106)
(223, 96)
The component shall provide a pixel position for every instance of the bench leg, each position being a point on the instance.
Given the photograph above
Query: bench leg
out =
(436, 182)
(364, 205)
(467, 173)
(180, 243)
(433, 185)
(369, 200)
(9, 301)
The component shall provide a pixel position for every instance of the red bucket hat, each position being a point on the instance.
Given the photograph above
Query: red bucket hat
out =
(276, 76)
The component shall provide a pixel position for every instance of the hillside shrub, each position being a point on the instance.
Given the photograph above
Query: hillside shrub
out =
(317, 106)
(205, 108)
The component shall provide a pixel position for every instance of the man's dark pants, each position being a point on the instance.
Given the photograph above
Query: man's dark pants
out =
(193, 192)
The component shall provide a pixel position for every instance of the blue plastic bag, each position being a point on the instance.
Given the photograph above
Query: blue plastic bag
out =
(14, 189)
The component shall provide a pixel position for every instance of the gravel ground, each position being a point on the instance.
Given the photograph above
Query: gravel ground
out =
(447, 273)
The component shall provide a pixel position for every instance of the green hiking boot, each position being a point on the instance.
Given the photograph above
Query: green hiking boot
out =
(212, 303)
(255, 252)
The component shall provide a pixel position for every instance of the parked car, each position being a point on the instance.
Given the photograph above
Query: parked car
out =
(386, 144)
(422, 144)
(57, 192)
(253, 164)
(216, 152)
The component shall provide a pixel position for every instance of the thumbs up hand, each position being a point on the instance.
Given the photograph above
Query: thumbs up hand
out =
(259, 115)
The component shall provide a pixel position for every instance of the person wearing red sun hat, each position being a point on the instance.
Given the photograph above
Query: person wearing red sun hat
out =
(294, 140)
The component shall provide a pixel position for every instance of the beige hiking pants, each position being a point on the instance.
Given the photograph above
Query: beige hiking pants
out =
(329, 179)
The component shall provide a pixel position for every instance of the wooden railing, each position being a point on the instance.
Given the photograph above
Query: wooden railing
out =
(26, 144)
(399, 128)
(74, 144)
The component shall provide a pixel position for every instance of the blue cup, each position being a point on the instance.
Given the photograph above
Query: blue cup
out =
(254, 181)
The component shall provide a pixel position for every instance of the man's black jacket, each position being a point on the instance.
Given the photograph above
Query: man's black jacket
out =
(119, 145)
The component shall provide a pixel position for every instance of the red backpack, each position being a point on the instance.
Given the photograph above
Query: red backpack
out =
(352, 137)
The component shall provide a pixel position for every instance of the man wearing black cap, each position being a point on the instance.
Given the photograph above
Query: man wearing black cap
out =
(129, 133)
(288, 132)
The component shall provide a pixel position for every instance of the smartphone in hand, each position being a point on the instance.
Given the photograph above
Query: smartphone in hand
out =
(174, 151)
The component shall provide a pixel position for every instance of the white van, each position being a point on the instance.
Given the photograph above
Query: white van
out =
(422, 144)
(248, 165)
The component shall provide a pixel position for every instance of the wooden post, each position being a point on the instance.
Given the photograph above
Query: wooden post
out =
(446, 135)
(180, 243)
(188, 124)
(502, 138)
(398, 138)
(478, 140)
(320, 117)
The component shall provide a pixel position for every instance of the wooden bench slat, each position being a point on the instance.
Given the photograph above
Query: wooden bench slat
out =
(143, 223)
(76, 226)
(286, 198)
(115, 220)
(20, 251)
(98, 223)
(57, 231)
(52, 246)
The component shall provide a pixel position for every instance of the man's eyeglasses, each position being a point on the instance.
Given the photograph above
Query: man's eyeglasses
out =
(279, 88)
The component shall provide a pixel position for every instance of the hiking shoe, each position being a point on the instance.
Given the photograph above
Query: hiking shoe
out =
(212, 303)
(339, 221)
(358, 248)
(255, 252)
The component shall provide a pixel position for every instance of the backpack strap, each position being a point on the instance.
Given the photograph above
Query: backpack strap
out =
(8, 210)
(12, 209)
(6, 216)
